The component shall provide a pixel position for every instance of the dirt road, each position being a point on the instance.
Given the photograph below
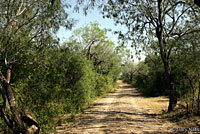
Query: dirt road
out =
(122, 112)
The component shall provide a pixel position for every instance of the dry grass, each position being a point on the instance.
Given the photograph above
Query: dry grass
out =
(181, 117)
(155, 104)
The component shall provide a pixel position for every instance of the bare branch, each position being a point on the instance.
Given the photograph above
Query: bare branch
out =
(19, 9)
(175, 22)
(153, 19)
(189, 31)
(2, 78)
(173, 6)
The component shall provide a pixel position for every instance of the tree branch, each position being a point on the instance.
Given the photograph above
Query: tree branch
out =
(177, 3)
(175, 22)
(27, 22)
(2, 78)
(186, 33)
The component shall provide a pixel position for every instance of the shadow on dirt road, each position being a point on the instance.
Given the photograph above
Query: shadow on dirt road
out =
(124, 112)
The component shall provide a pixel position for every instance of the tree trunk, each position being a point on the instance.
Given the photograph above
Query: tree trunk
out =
(198, 99)
(165, 58)
(15, 122)
(4, 115)
(168, 74)
(193, 93)
(131, 77)
(172, 88)
(187, 105)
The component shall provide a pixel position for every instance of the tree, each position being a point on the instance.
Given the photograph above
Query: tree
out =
(185, 66)
(92, 41)
(25, 25)
(197, 2)
(148, 20)
(89, 36)
(129, 69)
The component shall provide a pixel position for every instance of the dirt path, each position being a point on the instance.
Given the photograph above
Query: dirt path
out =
(122, 112)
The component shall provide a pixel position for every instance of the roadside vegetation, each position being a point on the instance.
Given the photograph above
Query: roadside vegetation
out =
(148, 77)
(165, 32)
(64, 77)
(41, 79)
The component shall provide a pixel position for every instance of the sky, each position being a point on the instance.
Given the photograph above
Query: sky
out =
(92, 16)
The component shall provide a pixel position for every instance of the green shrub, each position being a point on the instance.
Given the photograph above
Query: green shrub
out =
(80, 78)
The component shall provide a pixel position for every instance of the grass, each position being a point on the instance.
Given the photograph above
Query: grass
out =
(181, 117)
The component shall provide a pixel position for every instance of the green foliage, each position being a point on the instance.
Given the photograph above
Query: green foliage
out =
(129, 69)
(80, 78)
(93, 42)
(104, 85)
(53, 80)
(147, 76)
(26, 29)
(149, 20)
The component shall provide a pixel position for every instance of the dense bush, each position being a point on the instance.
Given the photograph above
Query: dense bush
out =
(147, 76)
(61, 80)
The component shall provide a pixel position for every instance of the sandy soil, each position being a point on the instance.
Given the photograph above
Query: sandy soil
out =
(122, 112)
